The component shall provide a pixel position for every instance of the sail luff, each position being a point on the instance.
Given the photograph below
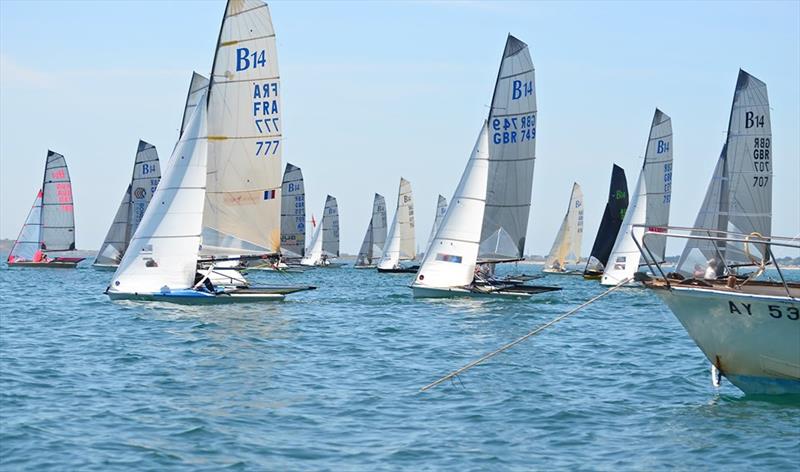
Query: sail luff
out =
(197, 86)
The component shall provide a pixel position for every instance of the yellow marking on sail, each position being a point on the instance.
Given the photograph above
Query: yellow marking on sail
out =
(217, 138)
(228, 43)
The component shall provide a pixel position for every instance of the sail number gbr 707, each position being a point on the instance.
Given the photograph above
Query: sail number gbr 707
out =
(516, 129)
(761, 161)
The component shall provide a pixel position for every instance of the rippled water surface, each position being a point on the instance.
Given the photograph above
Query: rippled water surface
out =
(329, 380)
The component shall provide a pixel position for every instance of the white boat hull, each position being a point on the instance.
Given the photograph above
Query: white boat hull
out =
(197, 298)
(754, 340)
(459, 292)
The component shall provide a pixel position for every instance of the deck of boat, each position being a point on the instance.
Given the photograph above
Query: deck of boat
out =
(753, 287)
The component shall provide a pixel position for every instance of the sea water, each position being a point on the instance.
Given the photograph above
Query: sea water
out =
(330, 379)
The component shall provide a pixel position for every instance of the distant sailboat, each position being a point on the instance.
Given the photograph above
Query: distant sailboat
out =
(50, 226)
(293, 214)
(324, 246)
(739, 196)
(567, 246)
(650, 205)
(441, 209)
(375, 237)
(400, 242)
(487, 219)
(144, 180)
(616, 207)
(218, 197)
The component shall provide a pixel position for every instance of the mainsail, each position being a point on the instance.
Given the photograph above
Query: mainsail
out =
(29, 239)
(567, 245)
(616, 207)
(450, 260)
(145, 178)
(441, 209)
(739, 197)
(242, 211)
(58, 218)
(293, 213)
(400, 242)
(162, 255)
(512, 150)
(375, 237)
(650, 205)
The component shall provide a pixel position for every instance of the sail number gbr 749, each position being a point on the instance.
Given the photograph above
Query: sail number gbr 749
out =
(516, 129)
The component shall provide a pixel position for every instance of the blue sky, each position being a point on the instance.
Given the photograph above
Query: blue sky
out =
(373, 91)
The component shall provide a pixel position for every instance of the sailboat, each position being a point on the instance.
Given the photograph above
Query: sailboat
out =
(441, 209)
(293, 214)
(372, 247)
(487, 219)
(616, 206)
(649, 205)
(144, 180)
(747, 328)
(50, 226)
(324, 244)
(217, 199)
(400, 242)
(567, 246)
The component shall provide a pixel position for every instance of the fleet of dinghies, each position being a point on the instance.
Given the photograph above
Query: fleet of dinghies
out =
(187, 232)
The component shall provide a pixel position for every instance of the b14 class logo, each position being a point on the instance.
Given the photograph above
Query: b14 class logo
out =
(139, 193)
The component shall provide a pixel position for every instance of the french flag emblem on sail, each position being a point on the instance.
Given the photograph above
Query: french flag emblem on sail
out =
(269, 194)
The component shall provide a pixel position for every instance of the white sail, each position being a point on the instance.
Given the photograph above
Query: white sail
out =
(242, 213)
(624, 259)
(325, 240)
(567, 245)
(400, 242)
(330, 228)
(375, 237)
(162, 255)
(58, 217)
(293, 213)
(739, 197)
(144, 180)
(450, 260)
(29, 239)
(512, 151)
(651, 202)
(197, 88)
(441, 209)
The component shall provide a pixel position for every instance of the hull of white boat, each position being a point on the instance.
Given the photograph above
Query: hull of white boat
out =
(753, 339)
(560, 272)
(194, 297)
(45, 265)
(373, 266)
(105, 266)
(459, 292)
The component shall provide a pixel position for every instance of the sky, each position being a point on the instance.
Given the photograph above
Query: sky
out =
(373, 91)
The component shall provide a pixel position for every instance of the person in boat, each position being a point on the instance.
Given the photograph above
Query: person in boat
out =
(711, 270)
(557, 266)
(323, 260)
(206, 285)
(39, 256)
(699, 272)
